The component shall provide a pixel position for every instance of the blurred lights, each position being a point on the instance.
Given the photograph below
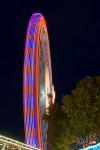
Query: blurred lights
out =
(53, 94)
(47, 86)
(94, 147)
(7, 142)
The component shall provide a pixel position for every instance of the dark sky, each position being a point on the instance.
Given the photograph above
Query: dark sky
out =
(74, 33)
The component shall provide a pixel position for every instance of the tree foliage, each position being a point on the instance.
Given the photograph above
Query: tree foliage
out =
(57, 125)
(79, 114)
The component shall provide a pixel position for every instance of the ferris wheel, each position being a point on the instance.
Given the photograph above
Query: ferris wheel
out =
(37, 82)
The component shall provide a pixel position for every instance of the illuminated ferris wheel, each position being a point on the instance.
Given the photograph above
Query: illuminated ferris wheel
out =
(37, 82)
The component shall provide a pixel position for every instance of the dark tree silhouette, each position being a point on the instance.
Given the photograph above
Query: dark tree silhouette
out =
(79, 115)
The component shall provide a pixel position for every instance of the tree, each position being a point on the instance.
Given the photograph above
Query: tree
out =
(79, 115)
(57, 124)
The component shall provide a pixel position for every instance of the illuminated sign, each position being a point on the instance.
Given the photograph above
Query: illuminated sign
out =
(86, 142)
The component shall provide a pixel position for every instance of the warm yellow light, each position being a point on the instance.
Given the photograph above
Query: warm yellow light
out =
(53, 94)
(16, 143)
(47, 87)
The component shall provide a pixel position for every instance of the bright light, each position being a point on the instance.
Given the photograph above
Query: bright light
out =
(53, 94)
(47, 86)
(10, 141)
(43, 94)
(94, 147)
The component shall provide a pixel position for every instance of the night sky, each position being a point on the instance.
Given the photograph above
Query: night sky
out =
(74, 33)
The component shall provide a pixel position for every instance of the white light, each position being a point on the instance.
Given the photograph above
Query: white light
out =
(16, 143)
(47, 87)
(53, 94)
(93, 147)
